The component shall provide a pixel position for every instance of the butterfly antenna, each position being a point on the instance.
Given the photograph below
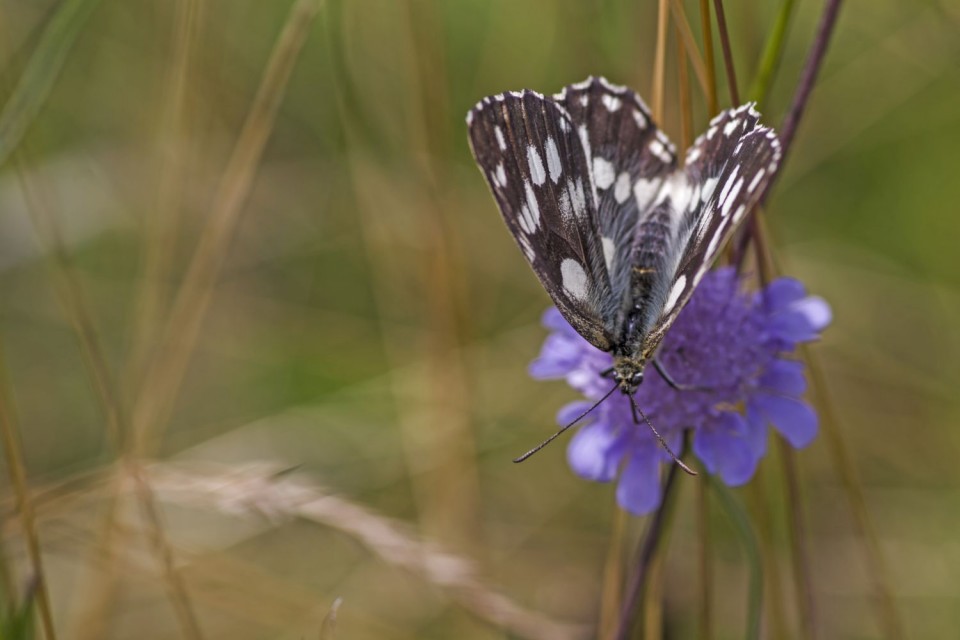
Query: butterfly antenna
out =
(557, 434)
(663, 443)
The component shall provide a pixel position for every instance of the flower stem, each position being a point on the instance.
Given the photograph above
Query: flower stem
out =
(798, 543)
(704, 563)
(660, 61)
(610, 601)
(772, 54)
(741, 524)
(788, 130)
(712, 103)
(645, 554)
(727, 52)
(885, 604)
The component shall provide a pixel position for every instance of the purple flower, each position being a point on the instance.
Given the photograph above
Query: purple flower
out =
(735, 346)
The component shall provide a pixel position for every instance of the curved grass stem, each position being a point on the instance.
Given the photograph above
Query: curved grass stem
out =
(649, 546)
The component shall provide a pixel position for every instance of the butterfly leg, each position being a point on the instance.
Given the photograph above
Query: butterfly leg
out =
(673, 383)
(607, 373)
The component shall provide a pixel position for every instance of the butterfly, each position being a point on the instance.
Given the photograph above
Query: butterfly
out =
(618, 234)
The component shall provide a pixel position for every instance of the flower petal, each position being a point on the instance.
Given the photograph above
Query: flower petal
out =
(784, 377)
(782, 292)
(725, 449)
(795, 420)
(558, 356)
(639, 488)
(572, 411)
(595, 451)
(816, 310)
(552, 319)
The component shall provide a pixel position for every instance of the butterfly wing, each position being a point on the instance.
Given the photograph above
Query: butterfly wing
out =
(630, 159)
(532, 157)
(726, 171)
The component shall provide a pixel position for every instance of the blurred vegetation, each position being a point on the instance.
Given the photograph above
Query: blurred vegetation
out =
(361, 318)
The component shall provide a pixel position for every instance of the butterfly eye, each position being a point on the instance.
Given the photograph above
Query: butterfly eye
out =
(637, 378)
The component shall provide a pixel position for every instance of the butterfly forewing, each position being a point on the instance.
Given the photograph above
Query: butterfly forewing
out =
(726, 172)
(533, 159)
(629, 159)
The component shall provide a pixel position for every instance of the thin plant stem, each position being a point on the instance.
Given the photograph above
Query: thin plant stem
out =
(165, 374)
(683, 84)
(161, 231)
(612, 595)
(885, 604)
(772, 54)
(648, 548)
(796, 527)
(685, 34)
(163, 222)
(660, 61)
(13, 452)
(776, 617)
(713, 106)
(704, 563)
(74, 302)
(652, 605)
(788, 130)
(727, 52)
(741, 524)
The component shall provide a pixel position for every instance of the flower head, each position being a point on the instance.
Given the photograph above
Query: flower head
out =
(734, 347)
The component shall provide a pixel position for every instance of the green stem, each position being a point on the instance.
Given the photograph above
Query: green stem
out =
(741, 524)
(772, 54)
(649, 546)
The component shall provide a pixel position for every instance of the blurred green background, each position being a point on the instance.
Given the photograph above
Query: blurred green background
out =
(364, 322)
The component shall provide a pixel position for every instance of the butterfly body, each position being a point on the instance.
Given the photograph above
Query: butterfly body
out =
(617, 233)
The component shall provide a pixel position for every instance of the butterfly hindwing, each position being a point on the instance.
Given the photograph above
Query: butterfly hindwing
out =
(533, 159)
(726, 172)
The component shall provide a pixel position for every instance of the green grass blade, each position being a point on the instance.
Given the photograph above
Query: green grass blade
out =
(741, 524)
(41, 72)
(772, 54)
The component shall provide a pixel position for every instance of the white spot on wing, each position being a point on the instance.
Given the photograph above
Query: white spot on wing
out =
(470, 117)
(612, 103)
(501, 175)
(709, 186)
(609, 251)
(553, 160)
(622, 190)
(527, 247)
(532, 204)
(660, 150)
(603, 174)
(640, 119)
(714, 245)
(756, 180)
(574, 279)
(500, 141)
(584, 100)
(577, 198)
(537, 174)
(675, 293)
(644, 191)
(566, 210)
(731, 198)
(728, 184)
(730, 127)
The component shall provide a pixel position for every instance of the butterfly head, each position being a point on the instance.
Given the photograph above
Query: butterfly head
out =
(628, 374)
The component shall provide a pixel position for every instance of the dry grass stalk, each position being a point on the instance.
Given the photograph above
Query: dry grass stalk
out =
(260, 489)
